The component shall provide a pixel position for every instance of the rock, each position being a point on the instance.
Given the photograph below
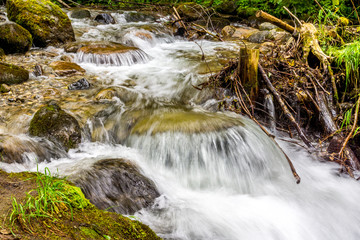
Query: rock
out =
(139, 17)
(16, 149)
(38, 71)
(54, 124)
(260, 37)
(80, 14)
(228, 31)
(46, 22)
(266, 26)
(105, 18)
(111, 54)
(227, 7)
(117, 186)
(244, 32)
(79, 85)
(245, 12)
(14, 38)
(4, 88)
(66, 58)
(73, 47)
(107, 94)
(63, 68)
(11, 74)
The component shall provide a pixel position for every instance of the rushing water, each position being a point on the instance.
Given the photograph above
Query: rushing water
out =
(221, 179)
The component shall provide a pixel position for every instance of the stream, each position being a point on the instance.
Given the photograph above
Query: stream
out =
(220, 177)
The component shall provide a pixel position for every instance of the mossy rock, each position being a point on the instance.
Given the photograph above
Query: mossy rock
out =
(190, 11)
(245, 12)
(80, 13)
(54, 124)
(11, 74)
(14, 38)
(139, 17)
(63, 68)
(117, 185)
(46, 22)
(227, 7)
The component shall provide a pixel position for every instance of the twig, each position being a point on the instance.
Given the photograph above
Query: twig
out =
(291, 14)
(353, 127)
(205, 30)
(64, 4)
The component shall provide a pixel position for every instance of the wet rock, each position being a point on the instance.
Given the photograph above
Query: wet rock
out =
(80, 14)
(228, 31)
(66, 58)
(11, 74)
(14, 38)
(19, 149)
(54, 124)
(38, 71)
(139, 17)
(117, 186)
(111, 54)
(63, 68)
(227, 7)
(80, 85)
(260, 37)
(73, 47)
(105, 18)
(244, 32)
(107, 94)
(46, 22)
(4, 88)
(266, 26)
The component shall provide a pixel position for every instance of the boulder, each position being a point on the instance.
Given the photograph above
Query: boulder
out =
(80, 14)
(228, 31)
(17, 149)
(80, 85)
(46, 22)
(63, 68)
(106, 48)
(244, 32)
(116, 185)
(11, 74)
(14, 38)
(4, 88)
(54, 124)
(261, 36)
(105, 18)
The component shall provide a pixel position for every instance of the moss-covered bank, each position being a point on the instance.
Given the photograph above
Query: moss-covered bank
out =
(68, 216)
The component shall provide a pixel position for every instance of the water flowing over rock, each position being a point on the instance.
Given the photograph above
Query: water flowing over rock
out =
(20, 149)
(63, 68)
(11, 74)
(117, 186)
(53, 123)
(80, 13)
(46, 22)
(14, 38)
(111, 54)
(105, 18)
(139, 17)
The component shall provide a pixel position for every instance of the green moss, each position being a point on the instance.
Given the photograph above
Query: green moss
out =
(11, 74)
(43, 19)
(14, 38)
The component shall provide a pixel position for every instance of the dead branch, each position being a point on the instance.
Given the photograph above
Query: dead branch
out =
(64, 4)
(284, 108)
(274, 20)
(206, 31)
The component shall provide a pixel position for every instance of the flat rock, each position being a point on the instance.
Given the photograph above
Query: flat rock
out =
(63, 68)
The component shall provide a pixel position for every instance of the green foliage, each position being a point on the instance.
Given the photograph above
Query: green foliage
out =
(51, 198)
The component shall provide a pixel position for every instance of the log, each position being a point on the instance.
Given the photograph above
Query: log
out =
(274, 20)
(284, 107)
(248, 71)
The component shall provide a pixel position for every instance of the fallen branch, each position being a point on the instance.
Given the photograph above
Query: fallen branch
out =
(64, 4)
(284, 107)
(274, 20)
(206, 31)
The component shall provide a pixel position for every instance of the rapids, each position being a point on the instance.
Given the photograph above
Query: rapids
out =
(226, 183)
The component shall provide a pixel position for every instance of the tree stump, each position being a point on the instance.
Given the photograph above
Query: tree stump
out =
(248, 71)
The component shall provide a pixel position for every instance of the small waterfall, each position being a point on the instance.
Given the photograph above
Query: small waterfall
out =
(270, 107)
(114, 59)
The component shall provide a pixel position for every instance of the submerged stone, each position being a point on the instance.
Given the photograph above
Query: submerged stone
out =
(11, 74)
(117, 185)
(4, 88)
(105, 18)
(14, 38)
(46, 22)
(63, 68)
(54, 124)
